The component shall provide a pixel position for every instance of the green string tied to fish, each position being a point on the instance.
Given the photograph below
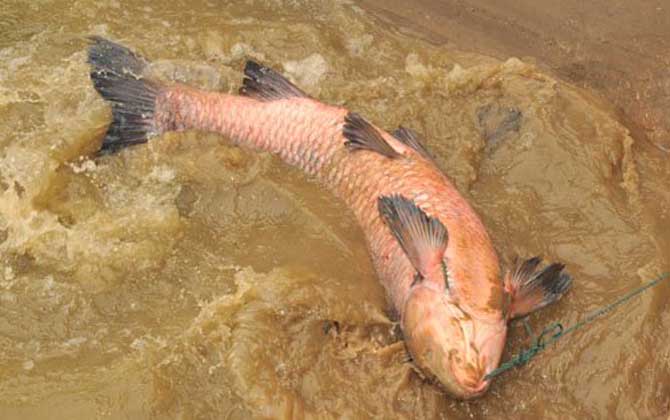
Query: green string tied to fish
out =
(555, 331)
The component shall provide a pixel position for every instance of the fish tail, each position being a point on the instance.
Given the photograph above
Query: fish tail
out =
(256, 118)
(117, 74)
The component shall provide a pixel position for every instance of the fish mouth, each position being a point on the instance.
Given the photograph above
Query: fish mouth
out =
(481, 387)
(474, 389)
(473, 386)
(444, 343)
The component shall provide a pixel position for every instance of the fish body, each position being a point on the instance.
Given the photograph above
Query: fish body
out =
(428, 246)
(309, 134)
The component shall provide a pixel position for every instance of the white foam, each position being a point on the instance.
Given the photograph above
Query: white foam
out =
(86, 165)
(357, 46)
(307, 72)
(414, 66)
(162, 174)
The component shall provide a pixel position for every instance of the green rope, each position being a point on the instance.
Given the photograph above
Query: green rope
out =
(555, 331)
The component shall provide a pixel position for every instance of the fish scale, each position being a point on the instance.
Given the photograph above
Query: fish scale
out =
(265, 127)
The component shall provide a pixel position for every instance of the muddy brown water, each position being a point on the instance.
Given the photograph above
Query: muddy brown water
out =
(620, 49)
(189, 279)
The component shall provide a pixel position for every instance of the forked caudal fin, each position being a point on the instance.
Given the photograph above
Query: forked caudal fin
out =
(530, 288)
(117, 74)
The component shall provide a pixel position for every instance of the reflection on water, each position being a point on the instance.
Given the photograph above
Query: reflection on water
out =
(192, 279)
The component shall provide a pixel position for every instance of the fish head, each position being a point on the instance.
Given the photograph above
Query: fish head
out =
(448, 345)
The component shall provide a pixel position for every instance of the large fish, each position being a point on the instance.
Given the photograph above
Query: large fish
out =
(429, 248)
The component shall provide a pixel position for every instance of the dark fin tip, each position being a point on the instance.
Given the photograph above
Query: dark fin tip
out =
(106, 55)
(117, 75)
(554, 282)
(533, 289)
(361, 135)
(421, 237)
(412, 139)
(265, 84)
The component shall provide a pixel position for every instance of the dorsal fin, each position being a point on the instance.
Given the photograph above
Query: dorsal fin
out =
(423, 238)
(263, 83)
(361, 135)
(412, 139)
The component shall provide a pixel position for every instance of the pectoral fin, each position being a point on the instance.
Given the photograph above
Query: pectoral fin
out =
(530, 288)
(423, 238)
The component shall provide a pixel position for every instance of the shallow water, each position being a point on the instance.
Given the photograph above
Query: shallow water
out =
(191, 279)
(619, 49)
